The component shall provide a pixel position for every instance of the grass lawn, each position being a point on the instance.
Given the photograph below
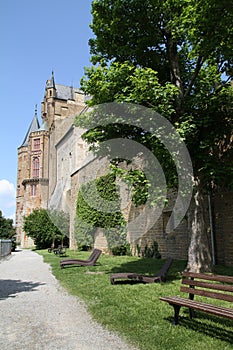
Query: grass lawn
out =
(134, 310)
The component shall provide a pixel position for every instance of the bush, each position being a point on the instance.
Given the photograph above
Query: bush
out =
(122, 250)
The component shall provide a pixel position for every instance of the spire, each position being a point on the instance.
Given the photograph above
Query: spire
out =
(34, 126)
(51, 82)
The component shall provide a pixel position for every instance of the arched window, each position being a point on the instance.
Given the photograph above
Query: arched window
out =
(35, 167)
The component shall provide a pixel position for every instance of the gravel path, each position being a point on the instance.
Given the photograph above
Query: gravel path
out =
(36, 313)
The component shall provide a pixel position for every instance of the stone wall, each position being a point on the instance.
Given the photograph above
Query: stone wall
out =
(223, 227)
(91, 170)
(173, 244)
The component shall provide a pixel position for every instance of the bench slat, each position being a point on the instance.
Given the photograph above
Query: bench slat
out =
(223, 287)
(196, 305)
(206, 293)
(210, 277)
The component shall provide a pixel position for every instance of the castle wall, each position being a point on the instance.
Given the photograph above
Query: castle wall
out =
(89, 171)
(223, 227)
(63, 118)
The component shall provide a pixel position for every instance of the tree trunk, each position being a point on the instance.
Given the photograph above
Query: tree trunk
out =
(199, 253)
(175, 70)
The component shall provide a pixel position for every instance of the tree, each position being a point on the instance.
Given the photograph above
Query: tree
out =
(7, 230)
(174, 57)
(39, 226)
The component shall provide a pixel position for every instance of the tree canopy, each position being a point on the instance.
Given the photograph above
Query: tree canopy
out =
(42, 229)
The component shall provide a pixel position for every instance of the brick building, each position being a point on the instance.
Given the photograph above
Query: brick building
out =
(37, 161)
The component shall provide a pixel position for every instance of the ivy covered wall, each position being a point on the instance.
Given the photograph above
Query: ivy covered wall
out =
(98, 205)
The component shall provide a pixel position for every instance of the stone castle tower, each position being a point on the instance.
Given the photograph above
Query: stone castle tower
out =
(37, 161)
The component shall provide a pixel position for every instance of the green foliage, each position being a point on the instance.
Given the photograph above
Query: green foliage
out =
(152, 252)
(137, 181)
(39, 226)
(122, 250)
(176, 58)
(91, 214)
(7, 231)
(125, 82)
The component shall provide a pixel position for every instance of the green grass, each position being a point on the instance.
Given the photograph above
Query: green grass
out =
(134, 310)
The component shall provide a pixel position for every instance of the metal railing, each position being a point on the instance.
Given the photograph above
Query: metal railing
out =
(5, 247)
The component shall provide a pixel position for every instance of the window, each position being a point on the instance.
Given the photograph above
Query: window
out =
(35, 167)
(33, 190)
(36, 144)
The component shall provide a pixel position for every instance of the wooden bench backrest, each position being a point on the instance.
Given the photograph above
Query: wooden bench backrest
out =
(208, 285)
(94, 255)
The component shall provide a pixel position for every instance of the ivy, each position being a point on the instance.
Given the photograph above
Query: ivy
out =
(137, 182)
(98, 205)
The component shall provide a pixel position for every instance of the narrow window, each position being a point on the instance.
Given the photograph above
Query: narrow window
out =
(36, 144)
(35, 167)
(33, 190)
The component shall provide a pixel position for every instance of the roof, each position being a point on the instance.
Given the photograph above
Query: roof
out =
(34, 126)
(62, 92)
(65, 92)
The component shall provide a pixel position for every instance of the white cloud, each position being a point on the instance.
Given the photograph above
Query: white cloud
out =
(7, 199)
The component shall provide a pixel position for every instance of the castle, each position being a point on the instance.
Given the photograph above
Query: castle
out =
(37, 161)
(53, 161)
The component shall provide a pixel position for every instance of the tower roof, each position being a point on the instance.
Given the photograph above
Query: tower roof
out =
(62, 92)
(51, 82)
(34, 126)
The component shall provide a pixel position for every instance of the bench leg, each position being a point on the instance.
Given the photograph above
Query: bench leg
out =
(191, 313)
(176, 314)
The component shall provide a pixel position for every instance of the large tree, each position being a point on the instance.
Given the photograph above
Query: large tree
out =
(43, 228)
(175, 57)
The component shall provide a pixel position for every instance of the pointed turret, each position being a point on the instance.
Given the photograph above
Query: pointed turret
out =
(50, 90)
(34, 126)
(51, 83)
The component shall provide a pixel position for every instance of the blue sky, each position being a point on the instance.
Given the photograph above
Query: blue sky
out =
(36, 38)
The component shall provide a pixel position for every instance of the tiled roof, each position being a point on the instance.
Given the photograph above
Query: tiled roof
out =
(65, 92)
(35, 126)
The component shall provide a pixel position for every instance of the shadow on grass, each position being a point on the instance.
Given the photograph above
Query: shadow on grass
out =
(210, 325)
(9, 288)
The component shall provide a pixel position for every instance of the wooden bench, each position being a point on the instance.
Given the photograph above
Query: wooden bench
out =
(137, 277)
(60, 250)
(205, 285)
